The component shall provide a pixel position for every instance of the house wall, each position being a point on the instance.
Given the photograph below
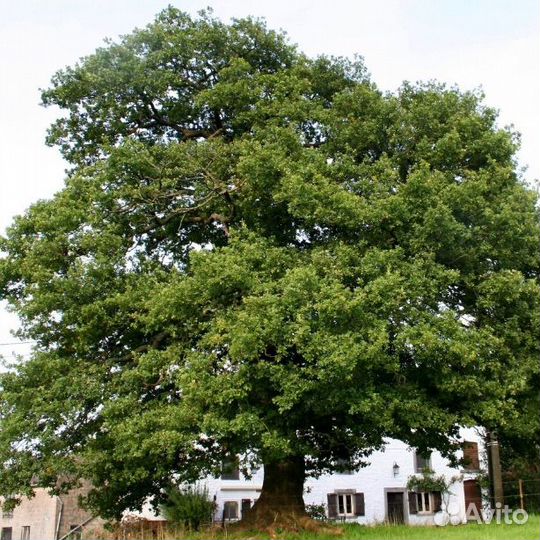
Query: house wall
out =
(234, 490)
(40, 513)
(49, 516)
(373, 480)
(73, 514)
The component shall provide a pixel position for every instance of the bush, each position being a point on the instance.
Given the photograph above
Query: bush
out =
(316, 511)
(189, 506)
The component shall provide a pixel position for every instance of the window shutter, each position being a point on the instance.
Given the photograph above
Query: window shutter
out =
(246, 505)
(332, 505)
(413, 507)
(359, 507)
(437, 501)
(470, 456)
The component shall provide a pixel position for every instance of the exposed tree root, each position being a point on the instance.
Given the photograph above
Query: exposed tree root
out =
(274, 522)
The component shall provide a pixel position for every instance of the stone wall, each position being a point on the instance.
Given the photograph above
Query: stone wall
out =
(40, 513)
(73, 515)
(50, 517)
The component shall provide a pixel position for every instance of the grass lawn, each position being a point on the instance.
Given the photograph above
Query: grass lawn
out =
(528, 531)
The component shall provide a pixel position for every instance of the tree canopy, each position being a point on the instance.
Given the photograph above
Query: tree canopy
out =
(260, 253)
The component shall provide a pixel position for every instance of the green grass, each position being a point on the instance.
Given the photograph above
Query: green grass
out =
(528, 531)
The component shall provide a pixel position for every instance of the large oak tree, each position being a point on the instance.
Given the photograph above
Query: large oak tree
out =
(261, 254)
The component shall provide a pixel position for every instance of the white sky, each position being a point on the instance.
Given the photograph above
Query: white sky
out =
(489, 43)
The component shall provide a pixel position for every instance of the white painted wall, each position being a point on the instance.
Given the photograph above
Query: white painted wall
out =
(371, 480)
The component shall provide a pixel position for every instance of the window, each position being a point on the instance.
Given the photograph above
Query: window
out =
(343, 466)
(6, 534)
(25, 532)
(230, 469)
(230, 510)
(246, 505)
(422, 461)
(7, 514)
(471, 462)
(345, 504)
(423, 502)
(76, 533)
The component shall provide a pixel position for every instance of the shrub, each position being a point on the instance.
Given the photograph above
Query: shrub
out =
(316, 511)
(188, 506)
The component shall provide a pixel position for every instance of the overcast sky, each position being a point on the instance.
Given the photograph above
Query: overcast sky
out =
(493, 44)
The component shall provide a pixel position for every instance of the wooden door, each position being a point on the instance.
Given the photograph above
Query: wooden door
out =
(246, 505)
(473, 495)
(394, 502)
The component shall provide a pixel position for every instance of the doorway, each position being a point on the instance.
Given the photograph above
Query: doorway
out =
(394, 507)
(473, 496)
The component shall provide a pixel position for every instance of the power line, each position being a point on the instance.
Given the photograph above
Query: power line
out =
(17, 343)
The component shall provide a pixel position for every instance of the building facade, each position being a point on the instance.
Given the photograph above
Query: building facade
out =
(49, 517)
(374, 494)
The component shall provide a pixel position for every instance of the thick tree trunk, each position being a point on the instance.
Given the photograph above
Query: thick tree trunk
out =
(281, 502)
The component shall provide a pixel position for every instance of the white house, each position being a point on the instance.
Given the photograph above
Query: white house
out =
(373, 494)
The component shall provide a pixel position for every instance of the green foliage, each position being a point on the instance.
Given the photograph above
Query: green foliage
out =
(189, 506)
(259, 253)
(316, 511)
(429, 481)
(520, 442)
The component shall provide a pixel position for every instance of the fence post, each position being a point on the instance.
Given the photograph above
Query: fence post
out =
(521, 503)
(495, 471)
